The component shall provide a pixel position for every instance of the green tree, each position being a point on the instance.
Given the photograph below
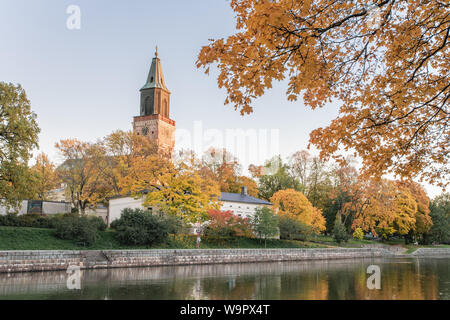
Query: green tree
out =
(291, 228)
(339, 231)
(18, 136)
(440, 214)
(276, 177)
(265, 224)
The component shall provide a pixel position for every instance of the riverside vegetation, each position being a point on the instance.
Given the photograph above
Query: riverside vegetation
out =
(139, 229)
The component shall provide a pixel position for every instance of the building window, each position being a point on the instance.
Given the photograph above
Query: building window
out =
(165, 109)
(148, 107)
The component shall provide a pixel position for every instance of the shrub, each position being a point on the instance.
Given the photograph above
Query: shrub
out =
(291, 228)
(98, 222)
(139, 227)
(9, 220)
(358, 234)
(339, 231)
(176, 225)
(34, 220)
(81, 230)
(226, 224)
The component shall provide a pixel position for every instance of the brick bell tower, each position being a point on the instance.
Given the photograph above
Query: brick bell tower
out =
(154, 121)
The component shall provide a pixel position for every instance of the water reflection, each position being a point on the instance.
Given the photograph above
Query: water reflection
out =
(342, 279)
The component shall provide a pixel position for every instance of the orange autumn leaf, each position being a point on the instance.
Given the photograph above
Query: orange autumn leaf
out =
(386, 62)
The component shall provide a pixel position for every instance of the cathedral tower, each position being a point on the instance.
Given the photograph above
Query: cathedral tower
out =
(154, 121)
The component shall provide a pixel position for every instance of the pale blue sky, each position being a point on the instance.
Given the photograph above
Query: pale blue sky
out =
(85, 83)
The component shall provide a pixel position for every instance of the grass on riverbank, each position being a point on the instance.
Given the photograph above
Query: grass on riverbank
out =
(18, 238)
(15, 238)
(355, 243)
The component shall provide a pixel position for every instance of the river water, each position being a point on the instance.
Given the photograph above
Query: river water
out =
(401, 278)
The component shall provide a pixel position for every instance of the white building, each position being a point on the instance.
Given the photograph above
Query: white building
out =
(117, 204)
(241, 204)
(38, 207)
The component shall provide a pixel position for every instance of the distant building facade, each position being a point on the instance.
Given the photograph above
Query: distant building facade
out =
(38, 207)
(241, 204)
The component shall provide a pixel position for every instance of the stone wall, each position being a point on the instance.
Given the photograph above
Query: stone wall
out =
(432, 252)
(25, 261)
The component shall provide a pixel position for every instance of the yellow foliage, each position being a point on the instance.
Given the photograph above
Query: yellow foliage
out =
(386, 207)
(295, 204)
(388, 64)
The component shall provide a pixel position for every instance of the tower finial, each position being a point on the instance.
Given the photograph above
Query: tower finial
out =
(156, 53)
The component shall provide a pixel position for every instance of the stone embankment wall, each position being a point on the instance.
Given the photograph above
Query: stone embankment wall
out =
(432, 252)
(25, 261)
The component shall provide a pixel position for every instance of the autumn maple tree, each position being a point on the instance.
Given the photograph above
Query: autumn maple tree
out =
(82, 172)
(388, 208)
(295, 205)
(226, 223)
(224, 168)
(386, 62)
(124, 150)
(176, 188)
(46, 178)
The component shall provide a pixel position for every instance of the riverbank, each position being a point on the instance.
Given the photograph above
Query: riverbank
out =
(20, 238)
(53, 260)
(31, 261)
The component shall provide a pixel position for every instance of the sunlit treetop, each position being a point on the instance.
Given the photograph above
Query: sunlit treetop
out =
(386, 62)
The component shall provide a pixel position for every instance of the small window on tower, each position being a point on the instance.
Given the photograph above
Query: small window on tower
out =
(151, 80)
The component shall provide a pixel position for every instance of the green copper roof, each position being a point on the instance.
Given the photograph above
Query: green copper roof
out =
(155, 77)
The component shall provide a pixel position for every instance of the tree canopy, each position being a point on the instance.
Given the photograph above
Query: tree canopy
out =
(386, 62)
(18, 136)
(295, 205)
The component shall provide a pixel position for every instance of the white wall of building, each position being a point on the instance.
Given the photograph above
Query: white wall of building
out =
(117, 205)
(243, 210)
(101, 212)
(56, 207)
(22, 209)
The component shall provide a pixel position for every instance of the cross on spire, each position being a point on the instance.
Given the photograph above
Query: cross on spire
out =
(156, 52)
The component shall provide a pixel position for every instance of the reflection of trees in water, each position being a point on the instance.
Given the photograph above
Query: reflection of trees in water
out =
(305, 280)
(414, 279)
(443, 270)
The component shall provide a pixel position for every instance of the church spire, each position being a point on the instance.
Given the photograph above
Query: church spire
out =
(155, 77)
(154, 121)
